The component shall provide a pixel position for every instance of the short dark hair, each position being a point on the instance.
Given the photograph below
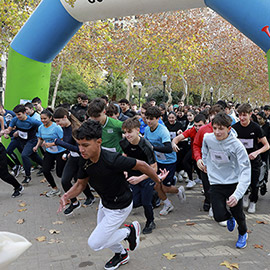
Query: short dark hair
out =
(111, 110)
(84, 97)
(244, 108)
(96, 107)
(89, 130)
(153, 111)
(199, 117)
(105, 98)
(216, 109)
(146, 105)
(36, 99)
(19, 108)
(266, 108)
(131, 123)
(222, 119)
(29, 105)
(123, 100)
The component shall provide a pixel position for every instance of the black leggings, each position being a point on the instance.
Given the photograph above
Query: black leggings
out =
(70, 171)
(47, 165)
(4, 174)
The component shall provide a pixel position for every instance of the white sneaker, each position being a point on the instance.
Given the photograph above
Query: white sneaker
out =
(181, 194)
(185, 175)
(53, 192)
(252, 208)
(180, 178)
(245, 201)
(210, 213)
(191, 184)
(182, 172)
(198, 181)
(166, 210)
(223, 223)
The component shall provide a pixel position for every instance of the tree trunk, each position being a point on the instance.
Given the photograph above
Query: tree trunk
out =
(185, 88)
(57, 84)
(129, 81)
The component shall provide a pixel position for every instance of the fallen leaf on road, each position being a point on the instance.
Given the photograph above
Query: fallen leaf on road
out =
(43, 180)
(258, 246)
(190, 223)
(20, 221)
(41, 238)
(23, 204)
(58, 222)
(174, 225)
(21, 210)
(43, 193)
(248, 231)
(230, 265)
(169, 256)
(54, 232)
(261, 222)
(81, 198)
(52, 241)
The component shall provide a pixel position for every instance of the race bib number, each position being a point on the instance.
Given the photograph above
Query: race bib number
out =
(53, 149)
(160, 156)
(172, 134)
(109, 149)
(23, 135)
(74, 154)
(248, 143)
(219, 156)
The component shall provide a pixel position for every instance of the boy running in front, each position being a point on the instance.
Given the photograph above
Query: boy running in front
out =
(227, 165)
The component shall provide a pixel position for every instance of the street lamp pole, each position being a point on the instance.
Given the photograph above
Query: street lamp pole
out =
(164, 78)
(140, 91)
(211, 93)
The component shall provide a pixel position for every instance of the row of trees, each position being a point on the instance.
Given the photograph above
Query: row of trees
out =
(197, 49)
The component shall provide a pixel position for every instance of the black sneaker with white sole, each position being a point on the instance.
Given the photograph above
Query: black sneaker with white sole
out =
(26, 180)
(117, 260)
(17, 192)
(89, 201)
(134, 236)
(71, 208)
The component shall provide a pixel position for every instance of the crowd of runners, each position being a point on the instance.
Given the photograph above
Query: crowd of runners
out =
(134, 157)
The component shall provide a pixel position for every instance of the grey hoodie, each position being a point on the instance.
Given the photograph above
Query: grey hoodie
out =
(227, 162)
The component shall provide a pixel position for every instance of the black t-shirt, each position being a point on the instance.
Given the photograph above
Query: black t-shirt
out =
(107, 178)
(174, 128)
(143, 151)
(183, 120)
(249, 136)
(129, 113)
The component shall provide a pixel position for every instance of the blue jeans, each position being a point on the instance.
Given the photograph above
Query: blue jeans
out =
(28, 154)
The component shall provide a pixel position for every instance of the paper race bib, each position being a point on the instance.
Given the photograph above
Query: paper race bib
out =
(74, 154)
(109, 149)
(53, 149)
(248, 143)
(23, 135)
(172, 134)
(219, 156)
(160, 156)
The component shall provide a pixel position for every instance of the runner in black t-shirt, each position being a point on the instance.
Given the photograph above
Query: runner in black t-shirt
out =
(250, 134)
(135, 146)
(104, 171)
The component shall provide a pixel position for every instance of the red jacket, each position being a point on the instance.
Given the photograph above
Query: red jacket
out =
(190, 133)
(198, 141)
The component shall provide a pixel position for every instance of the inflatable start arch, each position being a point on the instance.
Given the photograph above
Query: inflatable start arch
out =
(54, 22)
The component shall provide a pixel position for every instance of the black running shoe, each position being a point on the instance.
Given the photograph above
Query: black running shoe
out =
(117, 260)
(89, 201)
(72, 207)
(40, 172)
(149, 227)
(134, 236)
(26, 180)
(16, 170)
(206, 206)
(17, 192)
